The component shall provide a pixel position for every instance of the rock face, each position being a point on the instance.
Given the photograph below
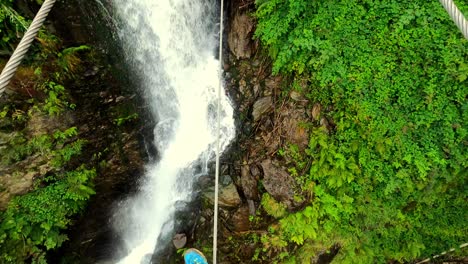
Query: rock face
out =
(291, 124)
(20, 179)
(249, 182)
(40, 123)
(239, 221)
(228, 195)
(278, 183)
(17, 176)
(240, 36)
(262, 106)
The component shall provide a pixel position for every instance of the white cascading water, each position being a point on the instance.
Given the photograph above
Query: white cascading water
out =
(171, 44)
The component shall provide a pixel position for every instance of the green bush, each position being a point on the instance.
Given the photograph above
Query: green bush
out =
(33, 223)
(391, 178)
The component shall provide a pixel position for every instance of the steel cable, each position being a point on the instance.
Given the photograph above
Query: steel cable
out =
(9, 71)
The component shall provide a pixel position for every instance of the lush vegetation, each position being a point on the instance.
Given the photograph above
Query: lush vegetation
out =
(390, 180)
(35, 222)
(12, 25)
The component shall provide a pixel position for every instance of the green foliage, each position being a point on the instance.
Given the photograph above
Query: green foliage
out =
(59, 147)
(56, 101)
(19, 147)
(11, 25)
(272, 207)
(391, 179)
(122, 120)
(68, 60)
(33, 223)
(63, 155)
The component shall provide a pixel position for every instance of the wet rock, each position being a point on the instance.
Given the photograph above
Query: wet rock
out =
(278, 183)
(120, 99)
(252, 208)
(240, 219)
(272, 83)
(249, 183)
(91, 72)
(292, 126)
(179, 241)
(240, 36)
(262, 106)
(225, 180)
(228, 195)
(39, 123)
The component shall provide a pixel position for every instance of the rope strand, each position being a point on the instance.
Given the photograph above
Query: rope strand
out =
(441, 254)
(456, 16)
(218, 133)
(9, 71)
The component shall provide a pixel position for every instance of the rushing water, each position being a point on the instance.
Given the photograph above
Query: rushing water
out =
(171, 44)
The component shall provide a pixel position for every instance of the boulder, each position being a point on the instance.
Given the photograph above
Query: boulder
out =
(239, 221)
(292, 127)
(262, 106)
(228, 195)
(249, 183)
(278, 183)
(240, 36)
(179, 240)
(40, 123)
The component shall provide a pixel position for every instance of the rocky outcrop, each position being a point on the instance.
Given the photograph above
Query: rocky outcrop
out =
(270, 120)
(278, 183)
(40, 123)
(239, 221)
(240, 35)
(19, 178)
(291, 124)
(250, 175)
(228, 197)
(262, 106)
(23, 161)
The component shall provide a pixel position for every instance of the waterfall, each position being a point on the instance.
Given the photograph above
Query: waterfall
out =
(171, 45)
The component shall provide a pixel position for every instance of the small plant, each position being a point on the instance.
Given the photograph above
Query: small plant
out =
(122, 120)
(11, 25)
(68, 60)
(56, 101)
(272, 207)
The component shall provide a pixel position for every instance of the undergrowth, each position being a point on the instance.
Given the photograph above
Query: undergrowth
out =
(389, 181)
(34, 223)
